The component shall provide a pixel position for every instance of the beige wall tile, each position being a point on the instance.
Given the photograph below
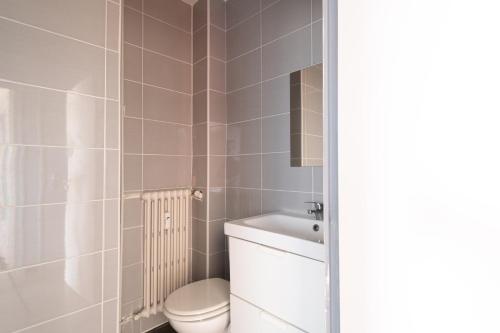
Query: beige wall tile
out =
(110, 317)
(132, 95)
(200, 107)
(132, 26)
(112, 125)
(132, 213)
(132, 246)
(217, 75)
(112, 26)
(317, 9)
(199, 266)
(168, 139)
(25, 57)
(200, 44)
(217, 237)
(174, 12)
(44, 233)
(136, 4)
(276, 96)
(217, 204)
(132, 63)
(80, 20)
(23, 289)
(217, 265)
(218, 107)
(217, 139)
(165, 105)
(167, 40)
(132, 173)
(112, 182)
(132, 136)
(200, 139)
(166, 73)
(218, 13)
(161, 172)
(199, 14)
(217, 171)
(112, 75)
(199, 171)
(46, 117)
(62, 175)
(131, 283)
(110, 275)
(111, 224)
(200, 76)
(200, 236)
(88, 320)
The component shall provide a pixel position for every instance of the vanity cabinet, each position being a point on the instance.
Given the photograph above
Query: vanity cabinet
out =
(274, 290)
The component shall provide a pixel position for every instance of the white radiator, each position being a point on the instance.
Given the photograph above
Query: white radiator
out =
(166, 248)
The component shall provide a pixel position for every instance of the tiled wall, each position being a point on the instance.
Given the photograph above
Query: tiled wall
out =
(267, 40)
(59, 165)
(157, 125)
(209, 138)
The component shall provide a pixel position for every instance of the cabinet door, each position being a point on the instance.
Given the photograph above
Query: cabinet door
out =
(246, 318)
(285, 285)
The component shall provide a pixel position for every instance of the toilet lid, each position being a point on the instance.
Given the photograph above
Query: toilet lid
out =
(198, 297)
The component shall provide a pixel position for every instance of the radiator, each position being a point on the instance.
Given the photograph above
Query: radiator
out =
(166, 248)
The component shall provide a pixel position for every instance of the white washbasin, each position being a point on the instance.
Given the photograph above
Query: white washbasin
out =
(284, 232)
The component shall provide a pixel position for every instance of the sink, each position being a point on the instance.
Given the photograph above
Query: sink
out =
(288, 233)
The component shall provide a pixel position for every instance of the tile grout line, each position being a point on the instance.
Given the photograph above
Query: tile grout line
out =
(207, 230)
(261, 122)
(156, 19)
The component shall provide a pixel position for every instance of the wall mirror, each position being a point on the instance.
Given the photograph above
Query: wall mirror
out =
(306, 117)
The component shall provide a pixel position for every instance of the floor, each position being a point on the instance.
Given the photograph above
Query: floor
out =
(163, 329)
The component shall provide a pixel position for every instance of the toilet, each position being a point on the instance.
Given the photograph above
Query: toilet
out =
(199, 307)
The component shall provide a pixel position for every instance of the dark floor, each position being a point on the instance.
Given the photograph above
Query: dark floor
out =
(163, 329)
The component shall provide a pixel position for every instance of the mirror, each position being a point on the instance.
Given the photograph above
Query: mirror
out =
(306, 117)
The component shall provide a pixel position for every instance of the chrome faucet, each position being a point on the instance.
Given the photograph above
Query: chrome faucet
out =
(317, 211)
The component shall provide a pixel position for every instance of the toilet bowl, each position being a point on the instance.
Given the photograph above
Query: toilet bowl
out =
(199, 307)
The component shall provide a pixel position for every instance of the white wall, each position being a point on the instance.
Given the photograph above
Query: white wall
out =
(419, 166)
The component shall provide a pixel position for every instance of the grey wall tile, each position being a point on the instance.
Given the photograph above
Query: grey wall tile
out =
(283, 201)
(317, 42)
(200, 139)
(239, 10)
(244, 137)
(80, 20)
(217, 139)
(200, 236)
(111, 184)
(110, 275)
(131, 283)
(276, 134)
(245, 70)
(26, 57)
(244, 171)
(317, 9)
(199, 171)
(110, 317)
(244, 104)
(218, 13)
(167, 73)
(243, 203)
(136, 4)
(217, 238)
(287, 54)
(284, 17)
(112, 75)
(217, 265)
(217, 204)
(218, 107)
(174, 12)
(217, 75)
(111, 224)
(318, 179)
(199, 266)
(217, 43)
(167, 40)
(243, 37)
(132, 213)
(276, 96)
(277, 174)
(112, 125)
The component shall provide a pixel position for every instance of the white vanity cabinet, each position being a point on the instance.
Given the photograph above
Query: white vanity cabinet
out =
(274, 290)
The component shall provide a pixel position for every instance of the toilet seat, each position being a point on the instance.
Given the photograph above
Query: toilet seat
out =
(198, 301)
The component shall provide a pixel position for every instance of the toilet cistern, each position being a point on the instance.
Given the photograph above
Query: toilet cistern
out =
(317, 211)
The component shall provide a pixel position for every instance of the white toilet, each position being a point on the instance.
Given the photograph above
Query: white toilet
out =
(199, 307)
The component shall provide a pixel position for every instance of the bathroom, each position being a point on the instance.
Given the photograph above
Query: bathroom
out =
(217, 166)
